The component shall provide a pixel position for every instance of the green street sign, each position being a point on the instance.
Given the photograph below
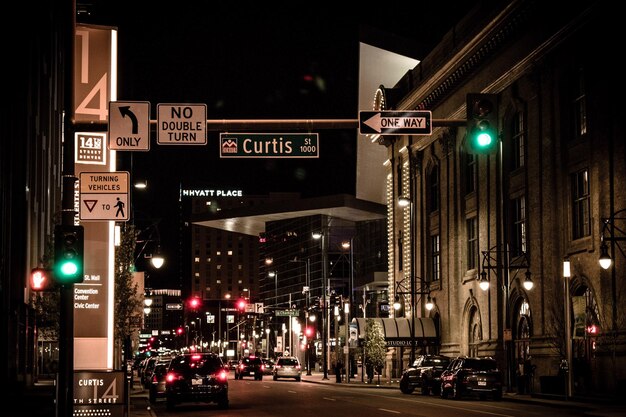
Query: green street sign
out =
(269, 145)
(290, 312)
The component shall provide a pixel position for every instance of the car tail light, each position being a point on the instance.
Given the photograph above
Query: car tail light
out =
(297, 366)
(172, 376)
(154, 378)
(222, 375)
(263, 367)
(195, 357)
(278, 366)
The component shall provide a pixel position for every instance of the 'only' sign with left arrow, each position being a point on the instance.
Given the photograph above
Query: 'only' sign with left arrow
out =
(129, 125)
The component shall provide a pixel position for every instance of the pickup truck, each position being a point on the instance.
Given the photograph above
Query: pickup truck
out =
(425, 373)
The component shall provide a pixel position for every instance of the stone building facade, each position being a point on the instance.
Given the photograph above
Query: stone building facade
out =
(554, 191)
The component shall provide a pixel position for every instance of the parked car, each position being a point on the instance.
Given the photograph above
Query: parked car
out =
(472, 377)
(250, 366)
(157, 381)
(425, 373)
(147, 371)
(268, 366)
(287, 367)
(232, 364)
(196, 377)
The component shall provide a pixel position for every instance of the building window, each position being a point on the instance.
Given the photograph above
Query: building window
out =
(196, 259)
(219, 267)
(518, 226)
(579, 104)
(197, 274)
(470, 173)
(581, 200)
(518, 139)
(433, 183)
(230, 253)
(472, 243)
(435, 259)
(218, 253)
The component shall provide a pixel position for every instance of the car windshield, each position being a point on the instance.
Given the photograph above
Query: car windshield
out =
(480, 364)
(436, 362)
(202, 364)
(288, 362)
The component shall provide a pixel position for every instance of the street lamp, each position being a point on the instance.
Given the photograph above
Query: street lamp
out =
(319, 235)
(567, 274)
(613, 231)
(500, 260)
(413, 292)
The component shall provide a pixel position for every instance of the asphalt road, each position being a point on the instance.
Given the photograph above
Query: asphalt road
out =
(303, 399)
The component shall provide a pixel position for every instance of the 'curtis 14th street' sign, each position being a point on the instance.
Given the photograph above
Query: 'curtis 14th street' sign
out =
(269, 145)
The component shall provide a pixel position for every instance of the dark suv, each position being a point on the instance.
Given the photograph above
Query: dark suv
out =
(425, 374)
(250, 366)
(196, 377)
(472, 377)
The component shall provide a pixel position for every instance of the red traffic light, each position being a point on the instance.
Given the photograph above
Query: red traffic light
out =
(308, 332)
(39, 279)
(179, 330)
(194, 302)
(241, 304)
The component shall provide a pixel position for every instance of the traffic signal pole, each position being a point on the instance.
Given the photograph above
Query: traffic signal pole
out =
(65, 379)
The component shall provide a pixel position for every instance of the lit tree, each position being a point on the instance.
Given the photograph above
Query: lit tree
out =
(375, 346)
(127, 302)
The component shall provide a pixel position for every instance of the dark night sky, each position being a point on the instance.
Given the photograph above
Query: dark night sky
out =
(293, 61)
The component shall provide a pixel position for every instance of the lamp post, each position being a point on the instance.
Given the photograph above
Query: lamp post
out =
(500, 261)
(414, 292)
(325, 327)
(346, 311)
(306, 290)
(613, 231)
(567, 274)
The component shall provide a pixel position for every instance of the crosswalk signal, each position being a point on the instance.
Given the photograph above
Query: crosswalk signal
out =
(482, 123)
(39, 279)
(68, 254)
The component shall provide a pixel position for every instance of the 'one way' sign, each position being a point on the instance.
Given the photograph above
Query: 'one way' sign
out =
(418, 122)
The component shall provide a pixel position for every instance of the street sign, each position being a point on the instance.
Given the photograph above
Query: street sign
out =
(129, 125)
(290, 312)
(269, 145)
(416, 122)
(90, 148)
(104, 196)
(181, 124)
(174, 306)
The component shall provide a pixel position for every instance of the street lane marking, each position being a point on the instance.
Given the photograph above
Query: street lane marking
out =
(389, 411)
(329, 399)
(292, 392)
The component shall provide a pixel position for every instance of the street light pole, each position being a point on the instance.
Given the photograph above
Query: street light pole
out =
(567, 274)
(325, 319)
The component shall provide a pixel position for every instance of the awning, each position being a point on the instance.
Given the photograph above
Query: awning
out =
(397, 331)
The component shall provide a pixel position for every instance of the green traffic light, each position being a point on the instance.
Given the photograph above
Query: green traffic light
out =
(69, 268)
(484, 139)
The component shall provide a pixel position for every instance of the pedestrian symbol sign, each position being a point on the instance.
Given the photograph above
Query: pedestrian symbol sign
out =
(104, 196)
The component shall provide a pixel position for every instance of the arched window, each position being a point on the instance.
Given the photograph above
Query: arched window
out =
(475, 333)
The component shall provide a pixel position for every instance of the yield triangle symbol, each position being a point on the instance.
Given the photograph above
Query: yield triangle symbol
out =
(90, 204)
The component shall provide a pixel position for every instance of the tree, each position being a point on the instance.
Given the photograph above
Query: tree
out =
(127, 302)
(375, 346)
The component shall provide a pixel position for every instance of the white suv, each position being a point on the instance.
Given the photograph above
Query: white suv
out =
(287, 367)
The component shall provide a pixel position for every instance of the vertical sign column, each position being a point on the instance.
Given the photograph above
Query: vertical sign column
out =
(94, 79)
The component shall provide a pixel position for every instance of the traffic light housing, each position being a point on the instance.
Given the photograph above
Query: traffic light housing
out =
(482, 123)
(39, 279)
(68, 254)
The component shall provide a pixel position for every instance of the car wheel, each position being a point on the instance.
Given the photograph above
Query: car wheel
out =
(275, 378)
(456, 391)
(223, 403)
(152, 396)
(297, 379)
(443, 392)
(404, 386)
(497, 396)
